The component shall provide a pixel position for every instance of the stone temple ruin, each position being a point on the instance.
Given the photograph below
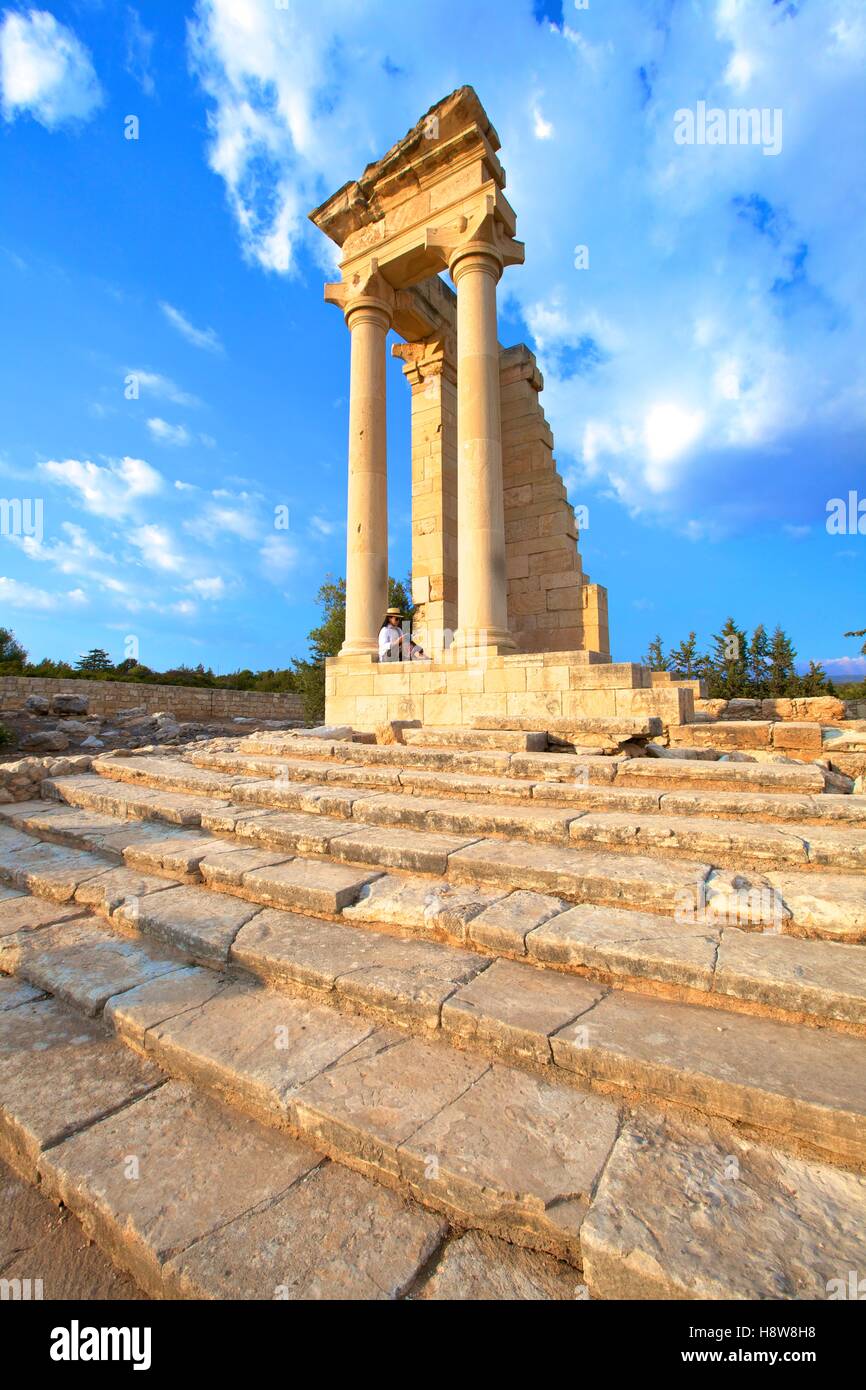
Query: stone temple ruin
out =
(512, 623)
(564, 998)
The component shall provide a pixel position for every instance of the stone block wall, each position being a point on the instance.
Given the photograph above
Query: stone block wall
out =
(184, 702)
(363, 693)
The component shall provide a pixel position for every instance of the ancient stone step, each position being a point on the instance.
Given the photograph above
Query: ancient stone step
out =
(495, 1148)
(503, 740)
(683, 1211)
(277, 1219)
(673, 952)
(587, 781)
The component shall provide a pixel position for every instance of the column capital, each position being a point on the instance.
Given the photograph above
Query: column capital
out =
(484, 237)
(426, 360)
(366, 293)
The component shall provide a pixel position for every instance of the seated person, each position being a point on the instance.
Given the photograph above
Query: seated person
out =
(394, 643)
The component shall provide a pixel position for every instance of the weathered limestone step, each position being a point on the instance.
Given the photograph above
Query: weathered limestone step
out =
(477, 1267)
(472, 817)
(611, 727)
(683, 1212)
(82, 963)
(503, 740)
(400, 980)
(726, 843)
(614, 879)
(95, 793)
(59, 1072)
(191, 921)
(803, 1083)
(623, 945)
(674, 774)
(495, 1148)
(271, 1219)
(591, 783)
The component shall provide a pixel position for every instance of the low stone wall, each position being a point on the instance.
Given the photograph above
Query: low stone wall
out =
(821, 709)
(183, 701)
(364, 693)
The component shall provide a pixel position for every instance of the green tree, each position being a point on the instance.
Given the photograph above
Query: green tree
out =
(727, 672)
(783, 671)
(758, 664)
(12, 654)
(97, 659)
(655, 658)
(860, 632)
(685, 660)
(815, 681)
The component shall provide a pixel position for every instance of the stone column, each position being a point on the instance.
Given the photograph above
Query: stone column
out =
(368, 309)
(482, 612)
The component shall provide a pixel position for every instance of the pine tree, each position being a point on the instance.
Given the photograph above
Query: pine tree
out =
(815, 681)
(97, 659)
(758, 664)
(12, 654)
(860, 632)
(655, 658)
(728, 676)
(685, 660)
(783, 672)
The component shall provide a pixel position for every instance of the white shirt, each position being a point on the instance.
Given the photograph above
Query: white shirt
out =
(389, 643)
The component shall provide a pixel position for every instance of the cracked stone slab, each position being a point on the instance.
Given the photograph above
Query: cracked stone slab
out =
(110, 890)
(84, 964)
(23, 913)
(416, 905)
(506, 923)
(834, 846)
(381, 1094)
(58, 1073)
(463, 784)
(675, 775)
(15, 992)
(395, 847)
(629, 879)
(589, 797)
(249, 1045)
(333, 1235)
(295, 833)
(130, 802)
(167, 1172)
(832, 906)
(192, 920)
(309, 798)
(226, 868)
(179, 854)
(783, 806)
(132, 1014)
(812, 977)
(716, 840)
(683, 1212)
(307, 885)
(406, 979)
(169, 774)
(50, 871)
(518, 1154)
(616, 941)
(804, 1083)
(514, 1008)
(481, 1268)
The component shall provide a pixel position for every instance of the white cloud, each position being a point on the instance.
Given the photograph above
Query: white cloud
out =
(112, 491)
(205, 338)
(217, 519)
(154, 383)
(176, 435)
(541, 129)
(278, 557)
(158, 548)
(46, 70)
(14, 594)
(210, 588)
(139, 51)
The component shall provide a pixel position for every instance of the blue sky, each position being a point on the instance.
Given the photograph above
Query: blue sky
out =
(704, 375)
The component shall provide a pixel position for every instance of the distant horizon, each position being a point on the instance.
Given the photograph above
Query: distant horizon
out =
(174, 387)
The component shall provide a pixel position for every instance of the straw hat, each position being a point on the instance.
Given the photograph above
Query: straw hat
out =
(393, 612)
